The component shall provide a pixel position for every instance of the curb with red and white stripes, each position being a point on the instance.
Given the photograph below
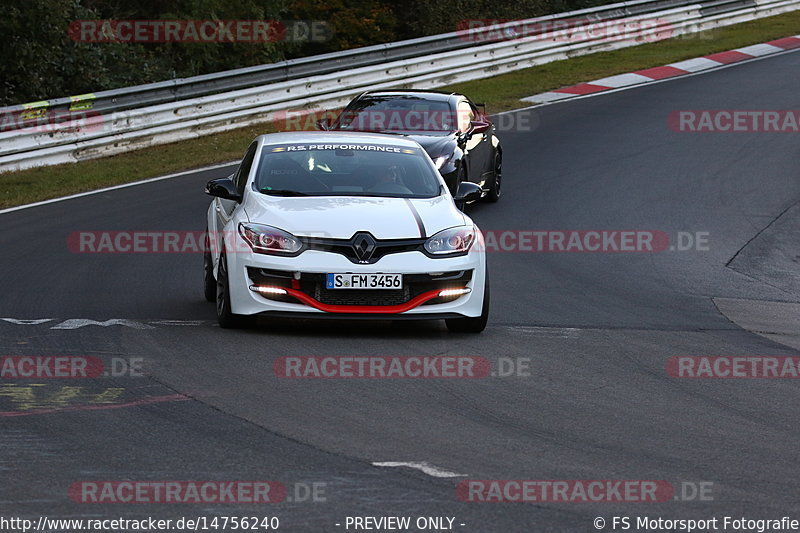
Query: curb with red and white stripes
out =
(673, 70)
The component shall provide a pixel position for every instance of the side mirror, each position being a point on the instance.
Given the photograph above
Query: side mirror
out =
(475, 127)
(479, 126)
(467, 192)
(324, 124)
(223, 188)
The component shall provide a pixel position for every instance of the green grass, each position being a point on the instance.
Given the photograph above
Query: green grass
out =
(499, 93)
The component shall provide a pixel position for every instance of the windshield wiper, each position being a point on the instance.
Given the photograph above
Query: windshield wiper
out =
(282, 192)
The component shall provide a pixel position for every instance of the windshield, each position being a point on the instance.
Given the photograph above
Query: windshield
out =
(399, 114)
(346, 170)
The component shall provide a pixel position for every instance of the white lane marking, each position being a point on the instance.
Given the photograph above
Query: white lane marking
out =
(758, 50)
(178, 322)
(665, 80)
(696, 65)
(23, 322)
(75, 323)
(622, 80)
(545, 331)
(424, 467)
(115, 187)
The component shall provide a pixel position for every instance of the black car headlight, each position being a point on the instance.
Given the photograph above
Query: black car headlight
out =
(268, 240)
(452, 241)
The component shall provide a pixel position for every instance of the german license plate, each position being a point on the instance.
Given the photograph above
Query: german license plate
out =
(364, 281)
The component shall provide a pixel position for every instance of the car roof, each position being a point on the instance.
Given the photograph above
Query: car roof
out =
(419, 93)
(288, 137)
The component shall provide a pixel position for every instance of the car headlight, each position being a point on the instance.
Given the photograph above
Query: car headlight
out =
(440, 161)
(268, 240)
(453, 241)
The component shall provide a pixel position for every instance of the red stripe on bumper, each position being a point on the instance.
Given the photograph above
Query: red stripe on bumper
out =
(367, 309)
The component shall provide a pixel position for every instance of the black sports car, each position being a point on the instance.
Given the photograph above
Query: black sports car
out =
(458, 135)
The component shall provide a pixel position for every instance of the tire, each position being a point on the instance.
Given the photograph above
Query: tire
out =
(225, 316)
(209, 282)
(494, 191)
(472, 325)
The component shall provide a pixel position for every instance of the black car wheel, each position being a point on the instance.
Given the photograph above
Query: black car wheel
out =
(494, 191)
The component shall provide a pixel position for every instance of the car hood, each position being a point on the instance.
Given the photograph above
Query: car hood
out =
(436, 145)
(339, 217)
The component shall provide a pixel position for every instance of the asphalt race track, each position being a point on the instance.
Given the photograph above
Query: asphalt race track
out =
(596, 329)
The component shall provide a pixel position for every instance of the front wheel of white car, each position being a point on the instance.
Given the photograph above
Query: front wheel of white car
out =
(226, 318)
(472, 325)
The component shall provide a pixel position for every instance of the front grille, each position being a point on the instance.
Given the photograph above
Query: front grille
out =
(314, 286)
(361, 297)
(347, 247)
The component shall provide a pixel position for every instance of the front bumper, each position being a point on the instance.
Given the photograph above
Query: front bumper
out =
(296, 285)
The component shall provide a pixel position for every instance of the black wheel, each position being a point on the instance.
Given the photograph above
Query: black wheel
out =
(494, 191)
(209, 283)
(225, 317)
(472, 325)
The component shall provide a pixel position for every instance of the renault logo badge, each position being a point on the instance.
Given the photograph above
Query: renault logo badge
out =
(363, 246)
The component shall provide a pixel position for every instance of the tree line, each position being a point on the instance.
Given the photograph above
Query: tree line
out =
(43, 53)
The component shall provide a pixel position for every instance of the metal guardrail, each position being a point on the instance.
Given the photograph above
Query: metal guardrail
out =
(134, 117)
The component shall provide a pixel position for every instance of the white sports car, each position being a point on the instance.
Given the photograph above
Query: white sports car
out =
(343, 225)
